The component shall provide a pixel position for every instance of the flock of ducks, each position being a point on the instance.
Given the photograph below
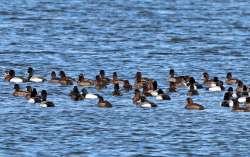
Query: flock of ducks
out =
(238, 100)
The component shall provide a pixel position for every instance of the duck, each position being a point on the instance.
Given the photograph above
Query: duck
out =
(137, 97)
(237, 108)
(34, 97)
(103, 78)
(162, 96)
(64, 79)
(115, 79)
(84, 82)
(229, 79)
(219, 87)
(116, 91)
(44, 101)
(18, 91)
(207, 82)
(192, 81)
(11, 77)
(239, 88)
(75, 94)
(99, 84)
(178, 80)
(247, 103)
(103, 103)
(193, 106)
(127, 86)
(192, 90)
(139, 82)
(144, 103)
(242, 94)
(28, 90)
(227, 101)
(32, 78)
(172, 87)
(53, 78)
(87, 95)
(152, 87)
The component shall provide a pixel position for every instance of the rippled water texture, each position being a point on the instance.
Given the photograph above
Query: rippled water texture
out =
(151, 36)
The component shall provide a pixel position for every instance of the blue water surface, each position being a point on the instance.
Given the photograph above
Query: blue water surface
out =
(151, 36)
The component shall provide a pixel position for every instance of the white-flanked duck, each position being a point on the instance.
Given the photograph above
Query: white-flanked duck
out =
(32, 78)
(87, 95)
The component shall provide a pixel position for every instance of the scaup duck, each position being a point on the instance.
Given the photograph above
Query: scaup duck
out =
(207, 82)
(44, 101)
(84, 82)
(162, 96)
(237, 108)
(193, 106)
(75, 94)
(64, 79)
(34, 97)
(104, 103)
(219, 87)
(115, 79)
(99, 84)
(32, 78)
(144, 103)
(192, 90)
(103, 78)
(18, 91)
(116, 91)
(13, 78)
(227, 100)
(229, 79)
(137, 97)
(87, 95)
(53, 78)
(127, 86)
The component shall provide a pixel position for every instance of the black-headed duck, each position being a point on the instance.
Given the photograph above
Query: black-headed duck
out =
(138, 80)
(103, 78)
(192, 91)
(247, 103)
(75, 94)
(44, 101)
(18, 91)
(178, 80)
(127, 86)
(137, 96)
(239, 88)
(116, 91)
(84, 82)
(193, 106)
(53, 78)
(99, 84)
(243, 95)
(28, 90)
(144, 103)
(32, 78)
(11, 76)
(207, 82)
(218, 87)
(86, 95)
(115, 79)
(104, 103)
(64, 79)
(237, 108)
(227, 100)
(172, 87)
(34, 97)
(229, 79)
(162, 96)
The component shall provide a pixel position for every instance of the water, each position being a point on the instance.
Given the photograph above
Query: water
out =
(191, 36)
